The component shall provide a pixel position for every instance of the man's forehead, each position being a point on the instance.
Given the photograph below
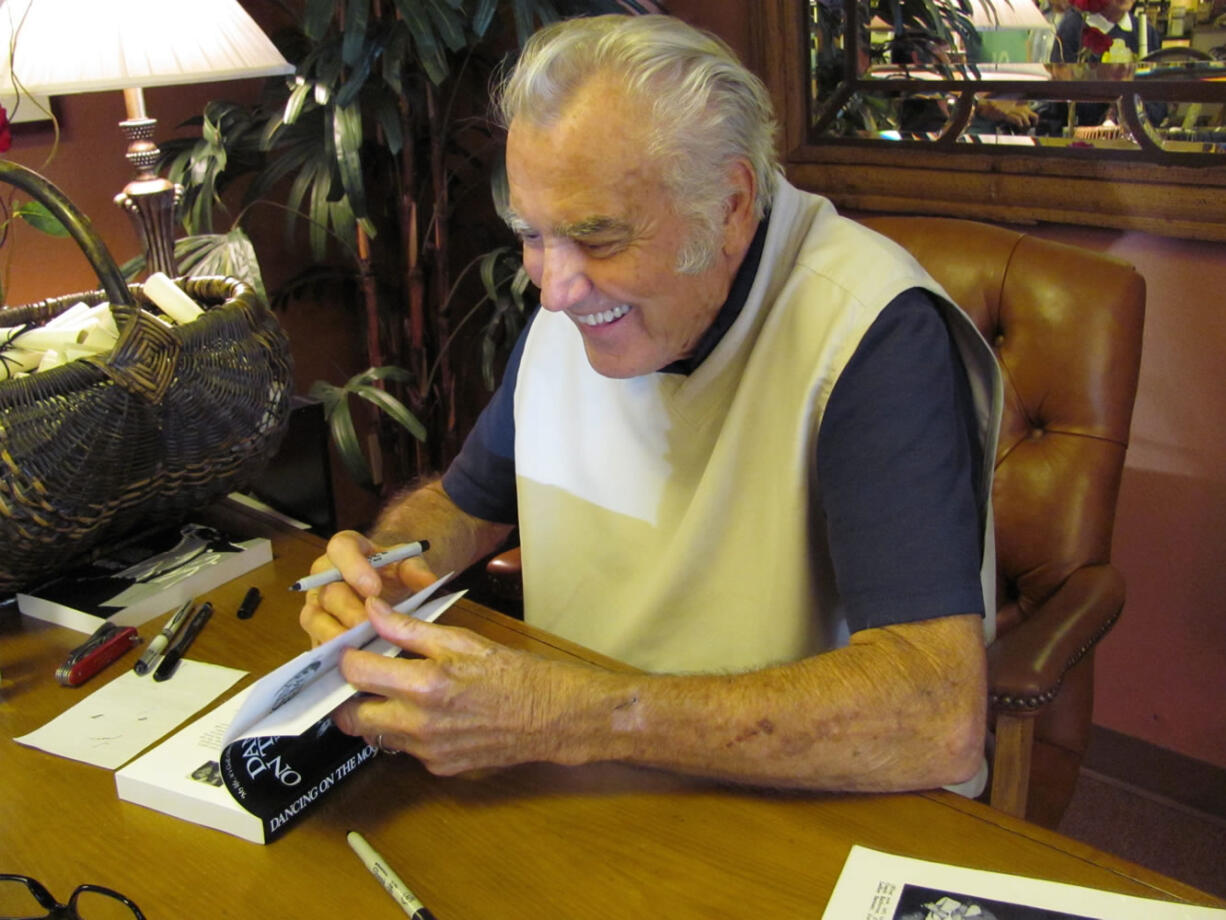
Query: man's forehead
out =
(597, 128)
(577, 190)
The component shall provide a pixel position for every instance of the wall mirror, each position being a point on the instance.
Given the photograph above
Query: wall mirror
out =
(991, 108)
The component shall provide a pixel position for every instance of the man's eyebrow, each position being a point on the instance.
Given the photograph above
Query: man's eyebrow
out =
(593, 226)
(575, 230)
(517, 224)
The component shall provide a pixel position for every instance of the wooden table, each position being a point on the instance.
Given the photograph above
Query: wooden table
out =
(532, 842)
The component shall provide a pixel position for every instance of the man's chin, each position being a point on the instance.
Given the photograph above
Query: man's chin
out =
(618, 366)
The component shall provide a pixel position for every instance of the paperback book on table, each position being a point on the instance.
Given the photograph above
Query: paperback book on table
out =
(143, 577)
(255, 764)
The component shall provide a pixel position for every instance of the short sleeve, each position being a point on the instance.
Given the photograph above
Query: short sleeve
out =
(897, 456)
(481, 478)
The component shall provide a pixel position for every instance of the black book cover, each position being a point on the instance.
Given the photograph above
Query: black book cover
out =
(278, 779)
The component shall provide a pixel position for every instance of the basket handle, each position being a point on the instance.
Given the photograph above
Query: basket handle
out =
(77, 224)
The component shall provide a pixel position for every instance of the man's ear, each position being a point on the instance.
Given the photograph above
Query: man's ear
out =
(740, 219)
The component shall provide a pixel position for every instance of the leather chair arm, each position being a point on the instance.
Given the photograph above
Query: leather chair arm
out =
(506, 564)
(1027, 664)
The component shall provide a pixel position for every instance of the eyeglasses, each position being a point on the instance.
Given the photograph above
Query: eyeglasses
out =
(24, 898)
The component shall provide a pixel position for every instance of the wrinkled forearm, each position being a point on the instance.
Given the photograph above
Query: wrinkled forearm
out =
(900, 708)
(457, 539)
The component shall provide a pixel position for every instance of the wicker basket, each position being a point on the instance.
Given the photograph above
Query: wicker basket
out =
(171, 419)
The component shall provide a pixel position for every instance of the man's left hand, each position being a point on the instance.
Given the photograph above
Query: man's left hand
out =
(467, 703)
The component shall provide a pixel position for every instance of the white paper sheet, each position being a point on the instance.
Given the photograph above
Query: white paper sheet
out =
(880, 886)
(118, 721)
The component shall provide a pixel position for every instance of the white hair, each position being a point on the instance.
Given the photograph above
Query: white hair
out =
(707, 109)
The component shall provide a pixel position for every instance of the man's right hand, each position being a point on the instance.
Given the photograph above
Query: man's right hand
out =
(334, 608)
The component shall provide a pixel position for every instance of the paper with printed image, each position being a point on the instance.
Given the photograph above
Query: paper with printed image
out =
(881, 886)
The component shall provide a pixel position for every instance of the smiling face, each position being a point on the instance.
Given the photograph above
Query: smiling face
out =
(601, 239)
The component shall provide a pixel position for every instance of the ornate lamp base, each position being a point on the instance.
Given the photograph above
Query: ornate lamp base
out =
(149, 200)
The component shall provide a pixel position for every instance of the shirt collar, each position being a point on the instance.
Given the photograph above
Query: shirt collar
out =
(738, 294)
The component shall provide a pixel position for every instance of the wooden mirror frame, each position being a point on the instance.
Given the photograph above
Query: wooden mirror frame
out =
(1002, 185)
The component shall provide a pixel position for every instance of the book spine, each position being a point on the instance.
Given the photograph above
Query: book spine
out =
(278, 779)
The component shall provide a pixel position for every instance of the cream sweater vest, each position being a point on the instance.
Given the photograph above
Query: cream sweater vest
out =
(665, 519)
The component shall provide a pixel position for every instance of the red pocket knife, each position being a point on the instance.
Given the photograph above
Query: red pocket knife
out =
(106, 644)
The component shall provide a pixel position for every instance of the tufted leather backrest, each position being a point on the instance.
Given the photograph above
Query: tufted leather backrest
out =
(1065, 324)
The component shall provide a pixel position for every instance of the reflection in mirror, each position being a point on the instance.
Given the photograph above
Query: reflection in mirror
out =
(1078, 77)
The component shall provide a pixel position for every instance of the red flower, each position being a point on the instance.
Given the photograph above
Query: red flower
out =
(1090, 6)
(1094, 41)
(6, 135)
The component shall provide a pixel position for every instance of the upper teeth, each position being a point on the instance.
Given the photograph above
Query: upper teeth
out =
(599, 319)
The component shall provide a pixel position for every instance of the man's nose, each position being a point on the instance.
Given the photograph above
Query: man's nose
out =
(563, 280)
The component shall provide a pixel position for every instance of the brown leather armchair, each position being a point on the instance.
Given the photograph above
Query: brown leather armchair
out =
(1065, 324)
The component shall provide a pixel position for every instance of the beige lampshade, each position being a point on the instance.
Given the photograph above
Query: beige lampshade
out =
(77, 46)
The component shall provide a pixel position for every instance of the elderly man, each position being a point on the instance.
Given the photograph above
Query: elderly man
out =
(744, 443)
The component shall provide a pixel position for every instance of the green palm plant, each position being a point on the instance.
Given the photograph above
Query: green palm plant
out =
(380, 152)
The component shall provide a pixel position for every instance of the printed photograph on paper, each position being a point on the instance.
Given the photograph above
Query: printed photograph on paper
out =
(918, 903)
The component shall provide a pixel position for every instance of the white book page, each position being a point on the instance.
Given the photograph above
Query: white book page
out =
(881, 886)
(302, 691)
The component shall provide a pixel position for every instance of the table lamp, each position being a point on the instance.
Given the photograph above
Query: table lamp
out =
(56, 47)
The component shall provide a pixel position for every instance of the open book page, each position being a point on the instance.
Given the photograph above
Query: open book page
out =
(298, 694)
(881, 886)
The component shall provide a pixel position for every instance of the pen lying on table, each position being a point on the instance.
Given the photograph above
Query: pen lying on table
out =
(158, 643)
(387, 878)
(184, 639)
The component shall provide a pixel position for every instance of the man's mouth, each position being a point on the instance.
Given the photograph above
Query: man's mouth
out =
(604, 317)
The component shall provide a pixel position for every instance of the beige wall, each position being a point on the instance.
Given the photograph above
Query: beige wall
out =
(89, 167)
(1161, 673)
